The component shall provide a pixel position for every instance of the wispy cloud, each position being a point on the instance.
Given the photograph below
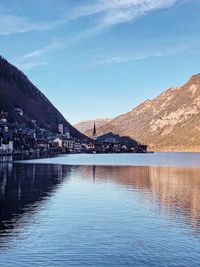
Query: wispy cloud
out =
(11, 24)
(28, 65)
(112, 12)
(108, 12)
(109, 60)
(37, 58)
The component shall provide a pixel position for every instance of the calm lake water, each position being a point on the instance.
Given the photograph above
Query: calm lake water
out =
(101, 210)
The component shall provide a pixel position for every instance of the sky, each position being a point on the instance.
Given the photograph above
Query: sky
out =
(101, 58)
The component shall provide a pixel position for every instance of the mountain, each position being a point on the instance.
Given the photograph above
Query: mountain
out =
(170, 122)
(88, 125)
(16, 91)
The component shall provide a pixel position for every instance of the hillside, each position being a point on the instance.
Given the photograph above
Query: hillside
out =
(16, 91)
(88, 125)
(170, 122)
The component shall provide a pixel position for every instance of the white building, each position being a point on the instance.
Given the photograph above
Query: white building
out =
(58, 141)
(69, 143)
(6, 148)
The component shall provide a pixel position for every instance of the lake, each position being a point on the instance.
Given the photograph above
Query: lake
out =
(101, 210)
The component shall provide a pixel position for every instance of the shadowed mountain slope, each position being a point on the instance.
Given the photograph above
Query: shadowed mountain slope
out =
(16, 91)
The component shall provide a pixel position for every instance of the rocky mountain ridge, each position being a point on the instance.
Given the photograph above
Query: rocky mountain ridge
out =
(167, 123)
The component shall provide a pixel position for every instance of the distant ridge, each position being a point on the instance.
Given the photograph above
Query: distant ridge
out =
(88, 124)
(170, 122)
(16, 91)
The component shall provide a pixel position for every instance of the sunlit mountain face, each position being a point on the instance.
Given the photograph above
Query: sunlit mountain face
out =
(169, 122)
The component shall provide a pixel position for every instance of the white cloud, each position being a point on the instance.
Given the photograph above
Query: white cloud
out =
(37, 58)
(108, 12)
(30, 65)
(112, 12)
(138, 56)
(10, 24)
(52, 47)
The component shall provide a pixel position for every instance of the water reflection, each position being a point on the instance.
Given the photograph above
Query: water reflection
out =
(23, 188)
(54, 215)
(175, 189)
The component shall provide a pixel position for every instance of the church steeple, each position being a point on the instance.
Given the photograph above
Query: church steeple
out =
(94, 135)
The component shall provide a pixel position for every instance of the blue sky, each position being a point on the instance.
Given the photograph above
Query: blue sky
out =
(100, 58)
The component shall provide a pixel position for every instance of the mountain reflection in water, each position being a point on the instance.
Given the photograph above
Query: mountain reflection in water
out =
(174, 189)
(57, 215)
(22, 188)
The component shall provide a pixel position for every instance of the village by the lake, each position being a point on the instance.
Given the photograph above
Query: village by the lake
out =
(18, 139)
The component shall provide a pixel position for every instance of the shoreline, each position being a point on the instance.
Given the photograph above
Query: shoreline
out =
(187, 149)
(187, 160)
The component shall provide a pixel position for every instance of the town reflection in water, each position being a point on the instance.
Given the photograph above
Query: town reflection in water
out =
(23, 187)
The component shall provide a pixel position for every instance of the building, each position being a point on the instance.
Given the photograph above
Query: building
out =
(63, 130)
(42, 144)
(19, 111)
(77, 147)
(64, 142)
(60, 129)
(68, 143)
(66, 132)
(6, 141)
(58, 141)
(6, 148)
